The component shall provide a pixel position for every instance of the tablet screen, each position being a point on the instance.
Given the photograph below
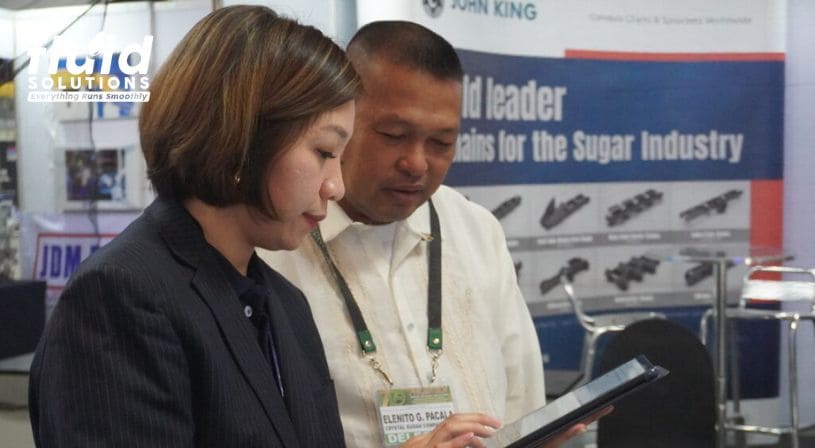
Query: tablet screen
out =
(570, 408)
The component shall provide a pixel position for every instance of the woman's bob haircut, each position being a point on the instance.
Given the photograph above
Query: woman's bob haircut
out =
(239, 89)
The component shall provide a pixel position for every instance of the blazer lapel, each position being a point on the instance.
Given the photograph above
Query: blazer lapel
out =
(239, 336)
(185, 238)
(293, 369)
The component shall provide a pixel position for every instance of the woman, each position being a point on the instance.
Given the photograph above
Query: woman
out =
(175, 333)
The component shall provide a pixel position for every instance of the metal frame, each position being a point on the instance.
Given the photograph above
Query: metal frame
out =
(779, 291)
(598, 325)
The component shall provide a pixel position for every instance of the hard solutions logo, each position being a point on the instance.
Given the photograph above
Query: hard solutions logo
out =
(502, 9)
(103, 76)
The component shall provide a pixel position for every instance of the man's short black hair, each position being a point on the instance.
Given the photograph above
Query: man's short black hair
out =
(409, 44)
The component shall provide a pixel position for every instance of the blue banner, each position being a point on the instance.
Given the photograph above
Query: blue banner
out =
(531, 120)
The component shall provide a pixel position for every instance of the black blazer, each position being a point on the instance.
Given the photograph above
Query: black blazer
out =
(149, 347)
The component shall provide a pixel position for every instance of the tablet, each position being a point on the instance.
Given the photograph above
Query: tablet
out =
(572, 408)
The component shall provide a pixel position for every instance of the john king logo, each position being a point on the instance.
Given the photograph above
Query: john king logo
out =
(500, 9)
(433, 8)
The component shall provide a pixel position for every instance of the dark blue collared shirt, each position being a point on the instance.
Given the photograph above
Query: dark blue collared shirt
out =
(254, 297)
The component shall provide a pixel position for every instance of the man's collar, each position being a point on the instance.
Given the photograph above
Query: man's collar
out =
(337, 221)
(418, 223)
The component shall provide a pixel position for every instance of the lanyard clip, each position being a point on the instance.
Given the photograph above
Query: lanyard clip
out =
(378, 367)
(434, 364)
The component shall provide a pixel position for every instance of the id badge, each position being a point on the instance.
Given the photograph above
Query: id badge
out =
(404, 413)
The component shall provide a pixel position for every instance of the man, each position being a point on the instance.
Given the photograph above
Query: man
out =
(377, 243)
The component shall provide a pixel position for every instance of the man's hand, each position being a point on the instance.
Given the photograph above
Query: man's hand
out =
(465, 430)
(457, 431)
(577, 429)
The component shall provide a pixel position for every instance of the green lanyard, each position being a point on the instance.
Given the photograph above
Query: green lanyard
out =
(434, 332)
